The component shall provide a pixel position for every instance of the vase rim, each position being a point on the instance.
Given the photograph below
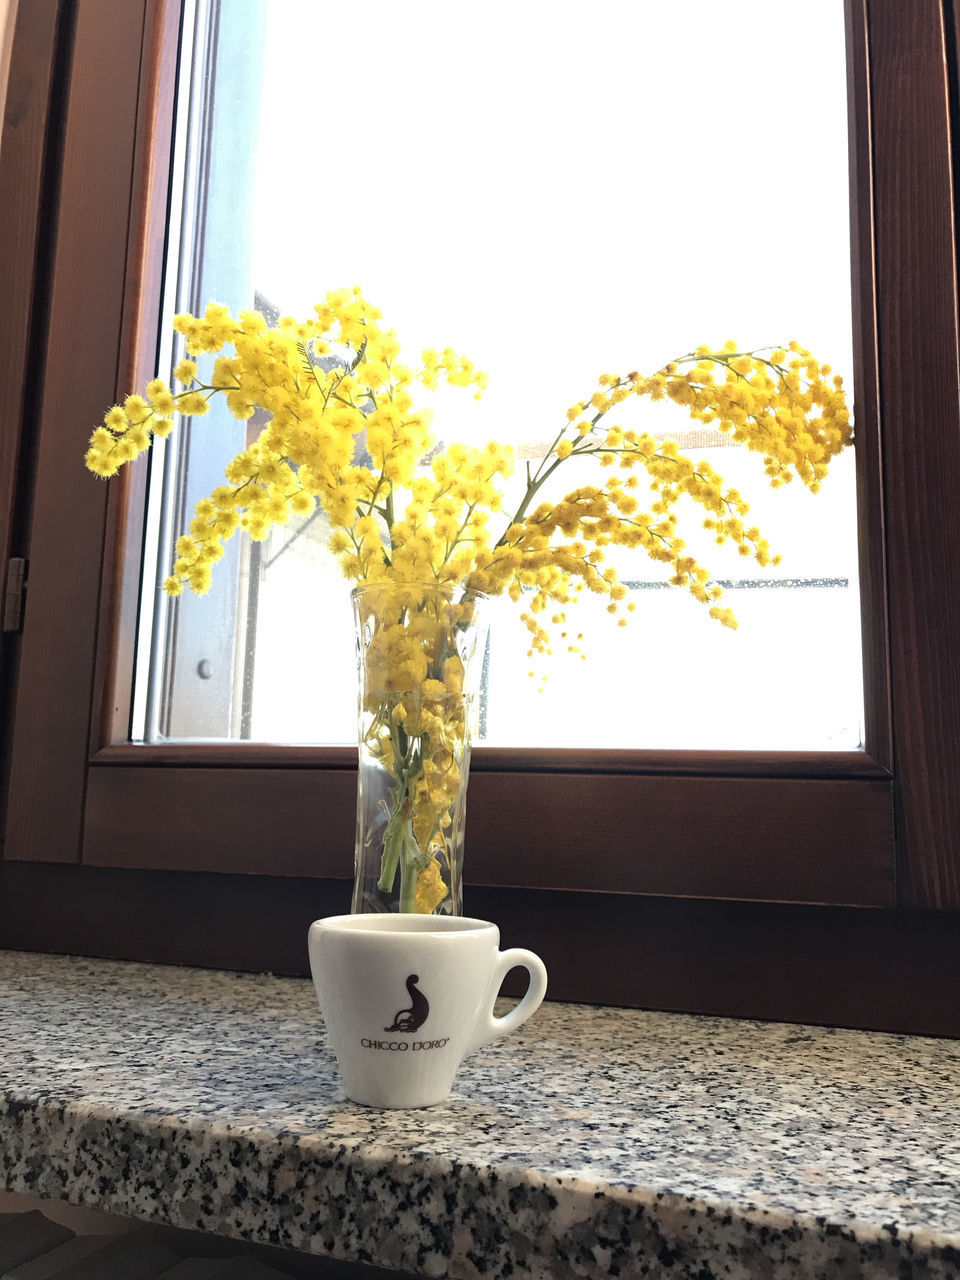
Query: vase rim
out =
(444, 588)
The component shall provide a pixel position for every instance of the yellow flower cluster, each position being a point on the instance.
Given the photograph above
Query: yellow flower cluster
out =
(339, 426)
(787, 407)
(343, 429)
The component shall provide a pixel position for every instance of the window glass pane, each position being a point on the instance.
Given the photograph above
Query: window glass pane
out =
(557, 199)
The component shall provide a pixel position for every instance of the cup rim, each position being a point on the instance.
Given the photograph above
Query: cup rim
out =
(386, 924)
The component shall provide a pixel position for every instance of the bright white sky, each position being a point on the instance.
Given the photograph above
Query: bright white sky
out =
(559, 191)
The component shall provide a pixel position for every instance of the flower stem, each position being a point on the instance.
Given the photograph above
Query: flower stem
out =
(409, 871)
(392, 842)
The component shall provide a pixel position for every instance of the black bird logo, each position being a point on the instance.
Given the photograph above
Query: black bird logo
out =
(412, 1019)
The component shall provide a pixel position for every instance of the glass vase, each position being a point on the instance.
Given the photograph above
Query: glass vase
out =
(420, 649)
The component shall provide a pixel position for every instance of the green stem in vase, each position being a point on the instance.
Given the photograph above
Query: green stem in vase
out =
(400, 846)
(409, 869)
(393, 839)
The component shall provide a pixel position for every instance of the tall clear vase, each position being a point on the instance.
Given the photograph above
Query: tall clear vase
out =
(420, 650)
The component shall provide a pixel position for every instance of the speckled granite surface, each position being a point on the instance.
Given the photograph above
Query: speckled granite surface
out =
(594, 1142)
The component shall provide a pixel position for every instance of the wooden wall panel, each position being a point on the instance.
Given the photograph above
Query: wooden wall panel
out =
(27, 167)
(24, 156)
(787, 839)
(920, 433)
(52, 709)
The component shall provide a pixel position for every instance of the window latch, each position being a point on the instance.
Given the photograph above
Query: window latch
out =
(15, 594)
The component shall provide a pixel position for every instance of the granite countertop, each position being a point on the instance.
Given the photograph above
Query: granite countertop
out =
(593, 1142)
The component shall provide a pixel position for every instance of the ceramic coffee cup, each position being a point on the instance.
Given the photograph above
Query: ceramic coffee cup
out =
(405, 998)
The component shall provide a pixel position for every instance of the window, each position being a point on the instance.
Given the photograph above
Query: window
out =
(456, 221)
(695, 879)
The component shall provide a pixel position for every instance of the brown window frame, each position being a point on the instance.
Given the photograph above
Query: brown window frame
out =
(674, 843)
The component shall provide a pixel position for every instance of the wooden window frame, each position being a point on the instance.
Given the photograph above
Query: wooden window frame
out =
(674, 843)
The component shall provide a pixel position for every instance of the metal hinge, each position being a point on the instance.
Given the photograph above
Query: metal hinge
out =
(15, 594)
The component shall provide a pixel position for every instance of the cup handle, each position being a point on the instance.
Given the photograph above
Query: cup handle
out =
(492, 1028)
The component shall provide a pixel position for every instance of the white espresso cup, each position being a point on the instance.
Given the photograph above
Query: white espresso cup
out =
(405, 998)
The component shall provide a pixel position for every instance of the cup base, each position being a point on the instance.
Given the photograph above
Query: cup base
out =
(380, 1103)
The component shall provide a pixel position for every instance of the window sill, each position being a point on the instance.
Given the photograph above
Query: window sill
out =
(592, 1142)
